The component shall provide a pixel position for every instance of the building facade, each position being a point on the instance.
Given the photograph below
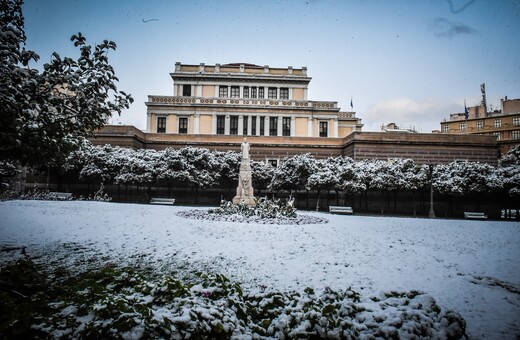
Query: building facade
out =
(503, 123)
(245, 100)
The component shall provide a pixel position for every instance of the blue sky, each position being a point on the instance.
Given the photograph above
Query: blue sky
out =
(408, 62)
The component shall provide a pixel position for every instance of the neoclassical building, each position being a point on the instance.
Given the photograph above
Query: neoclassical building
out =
(245, 100)
(216, 106)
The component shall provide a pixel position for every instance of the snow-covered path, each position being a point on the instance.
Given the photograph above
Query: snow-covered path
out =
(472, 267)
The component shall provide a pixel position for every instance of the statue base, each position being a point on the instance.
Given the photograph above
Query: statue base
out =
(245, 192)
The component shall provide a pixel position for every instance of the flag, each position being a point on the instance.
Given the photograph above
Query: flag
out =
(351, 105)
(466, 111)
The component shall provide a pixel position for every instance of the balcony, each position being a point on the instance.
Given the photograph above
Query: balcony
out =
(244, 102)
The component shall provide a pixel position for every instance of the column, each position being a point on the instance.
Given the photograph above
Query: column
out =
(226, 126)
(266, 126)
(214, 124)
(199, 91)
(258, 125)
(240, 125)
(293, 126)
(196, 124)
(336, 127)
(148, 121)
(249, 125)
(309, 127)
(279, 127)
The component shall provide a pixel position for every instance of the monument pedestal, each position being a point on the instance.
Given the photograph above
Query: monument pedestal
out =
(245, 188)
(245, 184)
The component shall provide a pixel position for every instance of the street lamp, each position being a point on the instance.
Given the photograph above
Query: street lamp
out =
(431, 214)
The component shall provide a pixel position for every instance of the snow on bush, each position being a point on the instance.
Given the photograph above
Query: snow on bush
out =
(129, 303)
(266, 211)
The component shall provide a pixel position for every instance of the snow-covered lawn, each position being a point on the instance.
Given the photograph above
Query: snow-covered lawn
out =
(471, 267)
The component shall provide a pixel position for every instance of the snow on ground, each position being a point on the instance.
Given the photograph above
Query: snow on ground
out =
(471, 267)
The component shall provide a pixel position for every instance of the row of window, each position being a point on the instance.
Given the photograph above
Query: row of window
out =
(497, 124)
(247, 92)
(273, 125)
(233, 126)
(253, 92)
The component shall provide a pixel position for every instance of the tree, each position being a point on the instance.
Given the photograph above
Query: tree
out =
(293, 173)
(45, 114)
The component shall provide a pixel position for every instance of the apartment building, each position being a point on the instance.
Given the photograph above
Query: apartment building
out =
(503, 123)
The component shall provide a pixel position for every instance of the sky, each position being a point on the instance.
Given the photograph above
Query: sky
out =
(407, 62)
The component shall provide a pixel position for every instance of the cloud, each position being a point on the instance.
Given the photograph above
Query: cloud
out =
(444, 28)
(422, 115)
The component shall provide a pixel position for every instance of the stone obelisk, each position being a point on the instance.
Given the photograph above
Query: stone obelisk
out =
(245, 185)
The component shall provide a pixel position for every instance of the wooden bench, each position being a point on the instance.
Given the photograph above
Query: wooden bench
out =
(340, 210)
(12, 247)
(163, 201)
(475, 215)
(59, 196)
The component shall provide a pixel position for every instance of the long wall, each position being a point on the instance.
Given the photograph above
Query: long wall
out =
(421, 147)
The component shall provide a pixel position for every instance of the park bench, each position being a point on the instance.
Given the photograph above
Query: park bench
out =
(333, 209)
(12, 247)
(161, 200)
(475, 215)
(59, 196)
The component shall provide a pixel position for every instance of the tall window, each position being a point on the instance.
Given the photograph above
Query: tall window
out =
(445, 128)
(498, 123)
(498, 134)
(272, 93)
(246, 120)
(161, 124)
(246, 92)
(183, 125)
(233, 125)
(284, 93)
(515, 134)
(516, 121)
(261, 92)
(273, 126)
(221, 125)
(462, 126)
(324, 129)
(186, 90)
(235, 91)
(253, 125)
(480, 125)
(223, 91)
(286, 126)
(253, 92)
(262, 125)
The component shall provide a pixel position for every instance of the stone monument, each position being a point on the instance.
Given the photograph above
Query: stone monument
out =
(245, 185)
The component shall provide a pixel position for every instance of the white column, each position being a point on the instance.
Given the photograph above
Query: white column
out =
(305, 94)
(199, 91)
(336, 127)
(216, 91)
(226, 126)
(240, 125)
(258, 125)
(309, 127)
(214, 124)
(148, 121)
(196, 124)
(249, 125)
(279, 127)
(293, 126)
(266, 126)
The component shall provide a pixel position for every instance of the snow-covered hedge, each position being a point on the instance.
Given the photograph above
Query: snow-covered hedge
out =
(202, 168)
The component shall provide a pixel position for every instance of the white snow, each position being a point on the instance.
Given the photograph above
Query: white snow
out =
(471, 267)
